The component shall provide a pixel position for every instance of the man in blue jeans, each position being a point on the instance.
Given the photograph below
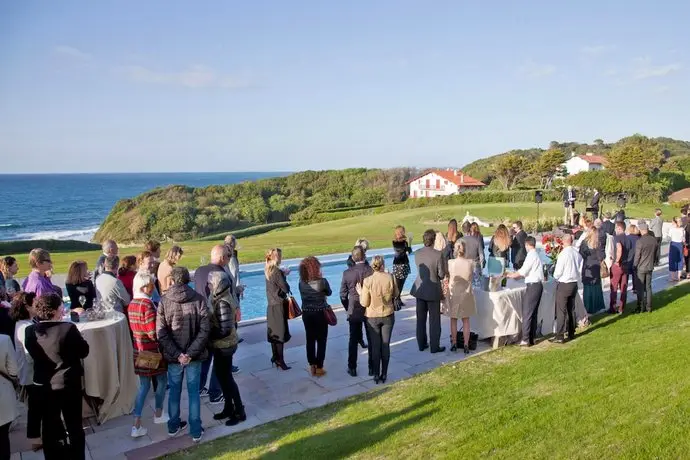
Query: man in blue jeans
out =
(182, 326)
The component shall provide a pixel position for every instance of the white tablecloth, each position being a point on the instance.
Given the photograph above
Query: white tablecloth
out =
(109, 368)
(499, 314)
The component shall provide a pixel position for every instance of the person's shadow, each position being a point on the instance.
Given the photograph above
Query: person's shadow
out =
(359, 435)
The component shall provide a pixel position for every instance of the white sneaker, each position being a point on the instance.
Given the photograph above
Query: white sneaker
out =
(162, 419)
(200, 436)
(139, 432)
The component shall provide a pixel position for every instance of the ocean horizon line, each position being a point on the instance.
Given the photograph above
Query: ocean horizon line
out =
(135, 172)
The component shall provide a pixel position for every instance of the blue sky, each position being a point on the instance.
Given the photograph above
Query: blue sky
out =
(235, 85)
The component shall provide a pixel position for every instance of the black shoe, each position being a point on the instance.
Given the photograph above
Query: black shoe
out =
(180, 428)
(453, 348)
(423, 347)
(376, 380)
(280, 364)
(232, 421)
(363, 344)
(352, 371)
(439, 350)
(383, 378)
(221, 416)
(240, 341)
(371, 372)
(466, 350)
(240, 414)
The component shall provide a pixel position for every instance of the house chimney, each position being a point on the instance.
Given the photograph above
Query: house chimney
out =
(455, 172)
(462, 178)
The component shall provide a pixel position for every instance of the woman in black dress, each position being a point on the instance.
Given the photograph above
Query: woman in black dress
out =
(402, 246)
(593, 295)
(277, 290)
(80, 289)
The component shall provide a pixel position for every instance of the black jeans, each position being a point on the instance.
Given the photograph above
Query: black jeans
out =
(657, 256)
(530, 309)
(400, 283)
(68, 403)
(644, 290)
(433, 309)
(316, 331)
(34, 412)
(5, 441)
(356, 336)
(380, 331)
(565, 309)
(222, 362)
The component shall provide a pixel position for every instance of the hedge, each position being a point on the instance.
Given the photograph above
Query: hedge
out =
(18, 247)
(245, 232)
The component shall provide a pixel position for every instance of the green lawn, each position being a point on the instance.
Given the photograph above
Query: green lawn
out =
(620, 390)
(340, 235)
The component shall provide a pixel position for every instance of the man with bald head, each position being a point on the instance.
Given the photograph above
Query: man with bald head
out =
(567, 273)
(219, 259)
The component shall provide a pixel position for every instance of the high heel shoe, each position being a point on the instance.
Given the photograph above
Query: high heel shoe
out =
(280, 364)
(453, 347)
(467, 350)
(383, 378)
(273, 361)
(376, 380)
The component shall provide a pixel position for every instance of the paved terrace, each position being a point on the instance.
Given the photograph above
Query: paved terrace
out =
(270, 394)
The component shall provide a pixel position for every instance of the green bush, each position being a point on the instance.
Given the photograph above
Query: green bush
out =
(18, 247)
(249, 231)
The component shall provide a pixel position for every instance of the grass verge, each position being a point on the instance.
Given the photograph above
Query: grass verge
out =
(620, 390)
(340, 235)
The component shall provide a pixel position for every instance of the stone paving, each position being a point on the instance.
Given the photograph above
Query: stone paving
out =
(269, 393)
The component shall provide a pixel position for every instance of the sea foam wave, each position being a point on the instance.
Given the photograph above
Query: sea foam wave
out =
(84, 234)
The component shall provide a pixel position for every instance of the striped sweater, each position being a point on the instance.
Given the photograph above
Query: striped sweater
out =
(142, 322)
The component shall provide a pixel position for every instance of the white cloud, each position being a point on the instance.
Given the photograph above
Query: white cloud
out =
(643, 69)
(196, 76)
(662, 89)
(597, 50)
(71, 52)
(531, 69)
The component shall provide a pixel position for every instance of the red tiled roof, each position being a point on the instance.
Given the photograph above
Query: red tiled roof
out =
(594, 159)
(468, 181)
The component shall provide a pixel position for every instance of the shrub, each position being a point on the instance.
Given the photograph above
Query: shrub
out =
(18, 247)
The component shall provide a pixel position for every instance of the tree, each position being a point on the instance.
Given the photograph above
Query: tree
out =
(634, 156)
(510, 169)
(549, 165)
(554, 145)
(598, 142)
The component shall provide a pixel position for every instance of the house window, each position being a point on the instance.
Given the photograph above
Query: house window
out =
(438, 183)
(445, 182)
(414, 194)
(428, 183)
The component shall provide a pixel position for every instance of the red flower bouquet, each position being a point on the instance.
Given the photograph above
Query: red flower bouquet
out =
(552, 246)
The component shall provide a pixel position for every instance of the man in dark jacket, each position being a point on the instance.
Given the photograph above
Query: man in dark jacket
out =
(645, 255)
(431, 269)
(518, 252)
(594, 205)
(607, 225)
(349, 297)
(182, 326)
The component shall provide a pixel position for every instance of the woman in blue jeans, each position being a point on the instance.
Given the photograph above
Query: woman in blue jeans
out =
(148, 362)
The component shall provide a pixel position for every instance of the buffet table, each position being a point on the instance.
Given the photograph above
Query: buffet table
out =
(109, 368)
(499, 313)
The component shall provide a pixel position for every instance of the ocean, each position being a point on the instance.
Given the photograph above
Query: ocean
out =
(72, 206)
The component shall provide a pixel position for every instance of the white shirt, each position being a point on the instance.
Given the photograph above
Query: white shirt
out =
(677, 234)
(25, 362)
(568, 266)
(532, 269)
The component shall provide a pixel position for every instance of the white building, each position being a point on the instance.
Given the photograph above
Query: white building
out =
(441, 182)
(588, 162)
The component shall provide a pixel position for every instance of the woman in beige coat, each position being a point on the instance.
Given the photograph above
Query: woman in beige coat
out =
(377, 294)
(461, 303)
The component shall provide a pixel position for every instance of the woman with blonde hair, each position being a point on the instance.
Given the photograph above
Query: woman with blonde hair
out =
(675, 251)
(377, 296)
(38, 280)
(79, 286)
(499, 245)
(165, 268)
(402, 246)
(277, 290)
(461, 304)
(593, 295)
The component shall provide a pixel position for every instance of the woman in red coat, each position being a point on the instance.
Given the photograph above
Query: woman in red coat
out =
(148, 361)
(128, 268)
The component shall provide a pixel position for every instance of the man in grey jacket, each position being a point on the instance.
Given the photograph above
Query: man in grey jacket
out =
(183, 327)
(645, 253)
(656, 227)
(431, 269)
(109, 290)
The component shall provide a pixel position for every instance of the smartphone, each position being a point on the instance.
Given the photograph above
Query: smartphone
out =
(74, 316)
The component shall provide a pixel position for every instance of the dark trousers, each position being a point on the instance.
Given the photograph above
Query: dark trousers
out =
(644, 290)
(657, 256)
(67, 403)
(433, 309)
(222, 362)
(380, 331)
(530, 308)
(595, 214)
(356, 336)
(5, 441)
(34, 411)
(565, 309)
(619, 280)
(400, 283)
(316, 331)
(214, 389)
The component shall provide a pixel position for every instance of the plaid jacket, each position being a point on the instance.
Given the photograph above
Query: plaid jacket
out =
(142, 322)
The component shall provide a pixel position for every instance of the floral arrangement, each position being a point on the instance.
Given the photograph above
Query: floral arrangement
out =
(552, 246)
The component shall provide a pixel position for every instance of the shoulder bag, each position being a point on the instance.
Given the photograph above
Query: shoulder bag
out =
(329, 314)
(603, 270)
(294, 311)
(148, 360)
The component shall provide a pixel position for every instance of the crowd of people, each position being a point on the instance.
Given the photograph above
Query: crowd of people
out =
(184, 330)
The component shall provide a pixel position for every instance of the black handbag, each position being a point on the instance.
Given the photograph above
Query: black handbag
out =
(474, 337)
